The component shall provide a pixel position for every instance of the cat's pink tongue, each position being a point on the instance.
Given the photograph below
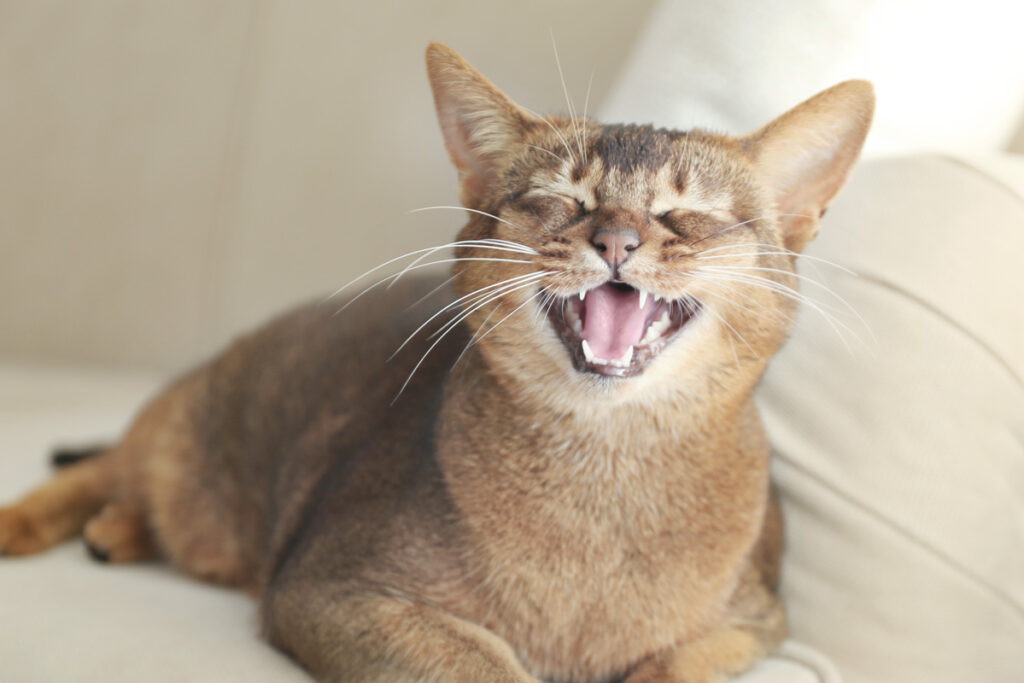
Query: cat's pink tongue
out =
(613, 320)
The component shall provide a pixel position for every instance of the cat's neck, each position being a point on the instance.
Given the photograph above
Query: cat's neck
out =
(494, 432)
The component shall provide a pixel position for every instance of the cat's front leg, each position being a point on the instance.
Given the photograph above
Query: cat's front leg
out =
(383, 639)
(756, 626)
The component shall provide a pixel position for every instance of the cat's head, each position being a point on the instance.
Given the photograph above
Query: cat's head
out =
(634, 262)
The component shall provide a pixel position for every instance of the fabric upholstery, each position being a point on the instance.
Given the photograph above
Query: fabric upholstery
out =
(901, 458)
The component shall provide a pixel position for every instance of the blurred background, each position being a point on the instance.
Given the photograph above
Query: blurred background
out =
(174, 172)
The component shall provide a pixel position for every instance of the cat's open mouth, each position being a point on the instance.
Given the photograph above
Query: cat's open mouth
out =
(617, 330)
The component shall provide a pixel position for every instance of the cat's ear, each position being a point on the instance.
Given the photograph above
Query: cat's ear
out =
(806, 154)
(480, 123)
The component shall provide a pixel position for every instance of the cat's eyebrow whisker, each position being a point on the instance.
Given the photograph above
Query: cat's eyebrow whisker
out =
(529, 277)
(482, 213)
(565, 143)
(548, 151)
(452, 324)
(568, 100)
(395, 276)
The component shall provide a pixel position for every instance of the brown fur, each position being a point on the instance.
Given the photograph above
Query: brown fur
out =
(513, 519)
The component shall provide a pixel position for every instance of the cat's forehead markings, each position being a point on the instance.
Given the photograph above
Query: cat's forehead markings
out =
(583, 189)
(696, 195)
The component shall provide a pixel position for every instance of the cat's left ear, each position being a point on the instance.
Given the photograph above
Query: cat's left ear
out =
(480, 123)
(806, 154)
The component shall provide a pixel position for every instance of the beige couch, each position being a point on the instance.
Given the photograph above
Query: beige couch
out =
(174, 172)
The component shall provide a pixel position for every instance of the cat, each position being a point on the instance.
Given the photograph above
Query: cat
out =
(566, 479)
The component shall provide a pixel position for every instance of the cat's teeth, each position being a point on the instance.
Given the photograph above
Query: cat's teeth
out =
(587, 353)
(583, 294)
(656, 328)
(643, 297)
(574, 320)
(626, 358)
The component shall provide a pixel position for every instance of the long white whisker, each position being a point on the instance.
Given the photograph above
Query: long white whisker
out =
(803, 278)
(417, 267)
(482, 213)
(565, 143)
(441, 337)
(503, 283)
(568, 100)
(474, 243)
(431, 293)
(787, 292)
(548, 151)
(480, 302)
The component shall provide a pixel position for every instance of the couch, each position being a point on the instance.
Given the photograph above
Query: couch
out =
(174, 173)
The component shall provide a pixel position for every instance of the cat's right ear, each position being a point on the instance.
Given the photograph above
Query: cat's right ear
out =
(480, 123)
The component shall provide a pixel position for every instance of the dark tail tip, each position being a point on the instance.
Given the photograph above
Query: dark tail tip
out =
(62, 457)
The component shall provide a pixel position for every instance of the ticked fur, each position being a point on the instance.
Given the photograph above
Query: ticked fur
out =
(518, 513)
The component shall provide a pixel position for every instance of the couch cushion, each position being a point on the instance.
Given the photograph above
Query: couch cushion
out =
(901, 459)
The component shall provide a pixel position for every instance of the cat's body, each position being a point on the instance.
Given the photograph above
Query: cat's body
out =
(569, 489)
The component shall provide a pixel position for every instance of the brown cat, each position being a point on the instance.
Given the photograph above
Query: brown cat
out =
(584, 496)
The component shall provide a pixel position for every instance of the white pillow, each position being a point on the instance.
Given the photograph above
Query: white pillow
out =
(949, 76)
(901, 461)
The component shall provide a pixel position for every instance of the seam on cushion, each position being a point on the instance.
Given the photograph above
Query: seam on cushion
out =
(939, 313)
(966, 573)
(963, 163)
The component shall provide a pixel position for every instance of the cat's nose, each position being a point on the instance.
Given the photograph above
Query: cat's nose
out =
(615, 246)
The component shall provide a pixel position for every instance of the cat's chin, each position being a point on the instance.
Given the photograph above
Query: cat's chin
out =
(616, 330)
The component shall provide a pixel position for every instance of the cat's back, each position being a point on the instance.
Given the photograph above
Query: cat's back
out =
(318, 398)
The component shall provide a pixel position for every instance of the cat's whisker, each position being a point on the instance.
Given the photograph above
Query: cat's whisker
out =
(495, 325)
(483, 244)
(395, 276)
(568, 100)
(482, 291)
(714, 287)
(429, 250)
(548, 151)
(586, 104)
(710, 311)
(482, 213)
(790, 293)
(565, 143)
(803, 278)
(482, 301)
(431, 293)
(769, 250)
(451, 325)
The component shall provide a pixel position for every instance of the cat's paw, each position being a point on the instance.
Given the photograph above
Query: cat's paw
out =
(118, 534)
(19, 535)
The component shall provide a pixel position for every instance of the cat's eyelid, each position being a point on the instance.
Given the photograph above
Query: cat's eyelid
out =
(584, 203)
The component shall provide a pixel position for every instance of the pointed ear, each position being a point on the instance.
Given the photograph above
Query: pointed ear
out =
(479, 122)
(806, 154)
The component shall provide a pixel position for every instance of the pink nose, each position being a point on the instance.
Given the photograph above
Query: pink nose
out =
(615, 246)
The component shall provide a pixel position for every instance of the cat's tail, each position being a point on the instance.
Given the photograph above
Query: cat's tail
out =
(62, 457)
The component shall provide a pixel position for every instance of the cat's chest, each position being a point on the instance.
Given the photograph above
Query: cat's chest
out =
(605, 575)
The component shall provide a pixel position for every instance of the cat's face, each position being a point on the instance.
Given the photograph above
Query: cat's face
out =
(635, 262)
